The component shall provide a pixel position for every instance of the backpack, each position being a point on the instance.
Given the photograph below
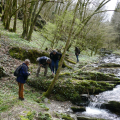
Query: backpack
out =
(16, 73)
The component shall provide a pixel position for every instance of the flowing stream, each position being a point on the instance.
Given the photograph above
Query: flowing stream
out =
(93, 109)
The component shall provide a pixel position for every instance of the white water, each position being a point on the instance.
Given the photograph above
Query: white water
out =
(93, 110)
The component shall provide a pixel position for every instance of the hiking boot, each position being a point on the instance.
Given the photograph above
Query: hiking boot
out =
(22, 99)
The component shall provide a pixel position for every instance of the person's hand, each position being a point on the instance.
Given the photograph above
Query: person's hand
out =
(29, 73)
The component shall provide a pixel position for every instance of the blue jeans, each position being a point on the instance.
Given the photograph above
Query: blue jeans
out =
(77, 58)
(54, 64)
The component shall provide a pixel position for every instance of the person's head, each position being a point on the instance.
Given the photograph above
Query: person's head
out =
(27, 62)
(48, 61)
(54, 52)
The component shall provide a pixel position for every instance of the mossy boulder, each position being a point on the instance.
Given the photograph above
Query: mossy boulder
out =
(109, 65)
(78, 109)
(113, 106)
(97, 76)
(67, 117)
(22, 54)
(87, 118)
(65, 88)
(70, 89)
(2, 72)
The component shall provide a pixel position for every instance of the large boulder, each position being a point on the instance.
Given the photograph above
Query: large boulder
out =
(87, 118)
(78, 109)
(113, 106)
(22, 54)
(40, 22)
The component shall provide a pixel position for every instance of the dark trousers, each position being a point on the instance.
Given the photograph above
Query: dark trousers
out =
(77, 58)
(39, 67)
(21, 89)
(54, 64)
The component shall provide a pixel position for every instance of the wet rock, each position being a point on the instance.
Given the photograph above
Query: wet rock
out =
(87, 118)
(78, 109)
(84, 97)
(113, 106)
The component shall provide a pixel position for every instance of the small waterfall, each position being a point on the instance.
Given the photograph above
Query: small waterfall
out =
(94, 108)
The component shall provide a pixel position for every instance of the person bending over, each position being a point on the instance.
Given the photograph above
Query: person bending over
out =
(43, 62)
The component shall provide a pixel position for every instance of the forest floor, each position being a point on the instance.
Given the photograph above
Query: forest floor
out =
(13, 109)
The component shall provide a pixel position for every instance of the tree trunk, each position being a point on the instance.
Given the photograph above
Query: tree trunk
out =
(15, 19)
(25, 19)
(47, 93)
(33, 22)
(9, 11)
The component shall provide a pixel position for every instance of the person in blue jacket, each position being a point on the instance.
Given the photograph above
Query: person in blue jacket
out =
(55, 57)
(43, 62)
(21, 79)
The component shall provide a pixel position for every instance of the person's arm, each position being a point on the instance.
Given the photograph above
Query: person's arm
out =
(59, 55)
(24, 71)
(51, 56)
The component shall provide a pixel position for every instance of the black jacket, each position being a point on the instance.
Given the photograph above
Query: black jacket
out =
(55, 57)
(77, 50)
(43, 60)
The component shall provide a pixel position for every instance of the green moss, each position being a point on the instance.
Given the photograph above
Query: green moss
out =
(110, 65)
(22, 54)
(67, 117)
(44, 116)
(97, 76)
(31, 115)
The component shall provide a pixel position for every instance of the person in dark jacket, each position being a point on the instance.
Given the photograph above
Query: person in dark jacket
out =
(43, 62)
(21, 79)
(77, 52)
(55, 57)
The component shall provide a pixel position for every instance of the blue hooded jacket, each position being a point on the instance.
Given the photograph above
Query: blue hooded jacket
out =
(23, 74)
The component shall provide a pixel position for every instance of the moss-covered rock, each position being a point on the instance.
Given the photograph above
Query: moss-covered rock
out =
(22, 54)
(109, 65)
(78, 109)
(64, 88)
(87, 118)
(97, 76)
(66, 117)
(70, 89)
(113, 106)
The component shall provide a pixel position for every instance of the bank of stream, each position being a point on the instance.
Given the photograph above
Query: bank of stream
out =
(94, 109)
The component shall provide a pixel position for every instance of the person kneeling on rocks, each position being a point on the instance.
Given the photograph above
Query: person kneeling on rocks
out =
(43, 62)
(21, 79)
